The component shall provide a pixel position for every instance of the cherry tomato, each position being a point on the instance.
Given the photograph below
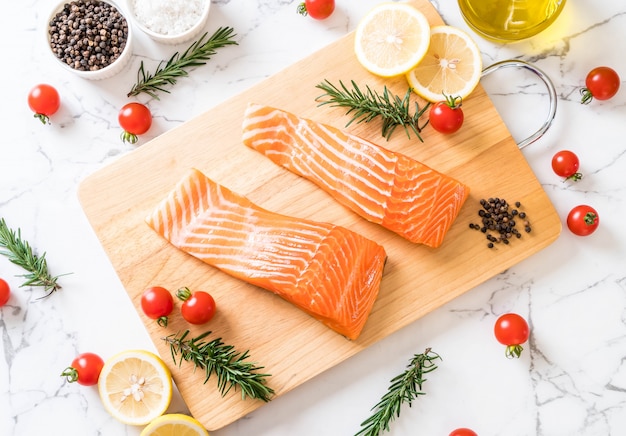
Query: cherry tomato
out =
(5, 292)
(565, 164)
(85, 369)
(463, 432)
(44, 100)
(317, 9)
(135, 118)
(447, 116)
(583, 220)
(601, 83)
(511, 330)
(198, 307)
(157, 303)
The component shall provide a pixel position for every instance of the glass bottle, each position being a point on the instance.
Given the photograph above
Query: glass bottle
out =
(510, 20)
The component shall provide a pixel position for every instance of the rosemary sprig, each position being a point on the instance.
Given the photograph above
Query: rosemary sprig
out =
(404, 388)
(215, 357)
(196, 54)
(20, 253)
(367, 105)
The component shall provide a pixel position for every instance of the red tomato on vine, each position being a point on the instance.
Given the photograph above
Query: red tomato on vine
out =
(5, 292)
(198, 307)
(85, 369)
(583, 220)
(512, 330)
(157, 303)
(317, 9)
(463, 432)
(565, 163)
(447, 116)
(136, 119)
(601, 83)
(44, 100)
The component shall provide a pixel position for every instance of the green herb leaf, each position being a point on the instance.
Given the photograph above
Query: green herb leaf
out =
(368, 105)
(228, 365)
(403, 389)
(20, 253)
(196, 54)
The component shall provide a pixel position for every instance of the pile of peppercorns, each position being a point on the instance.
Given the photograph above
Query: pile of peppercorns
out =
(499, 221)
(88, 35)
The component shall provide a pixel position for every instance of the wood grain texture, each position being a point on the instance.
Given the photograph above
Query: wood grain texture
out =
(292, 346)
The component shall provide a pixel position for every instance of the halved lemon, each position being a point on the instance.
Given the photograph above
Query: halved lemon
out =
(452, 65)
(174, 424)
(391, 39)
(135, 387)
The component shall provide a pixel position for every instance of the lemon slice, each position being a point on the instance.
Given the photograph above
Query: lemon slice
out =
(135, 387)
(452, 65)
(174, 424)
(391, 39)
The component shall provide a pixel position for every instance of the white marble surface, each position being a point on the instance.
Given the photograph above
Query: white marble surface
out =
(571, 379)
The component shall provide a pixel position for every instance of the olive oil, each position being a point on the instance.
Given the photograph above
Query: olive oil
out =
(510, 20)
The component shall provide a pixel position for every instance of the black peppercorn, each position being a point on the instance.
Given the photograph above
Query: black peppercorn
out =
(90, 24)
(496, 216)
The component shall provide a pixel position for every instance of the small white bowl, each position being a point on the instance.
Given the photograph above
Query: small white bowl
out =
(108, 71)
(157, 28)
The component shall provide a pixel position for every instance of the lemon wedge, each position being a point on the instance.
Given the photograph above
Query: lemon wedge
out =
(174, 424)
(452, 65)
(135, 387)
(391, 39)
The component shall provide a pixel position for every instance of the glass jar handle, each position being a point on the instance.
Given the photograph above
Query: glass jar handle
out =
(551, 93)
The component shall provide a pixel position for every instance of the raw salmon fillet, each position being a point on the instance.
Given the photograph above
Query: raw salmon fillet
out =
(328, 271)
(382, 186)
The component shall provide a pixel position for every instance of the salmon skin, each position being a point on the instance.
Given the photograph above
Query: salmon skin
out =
(328, 271)
(382, 186)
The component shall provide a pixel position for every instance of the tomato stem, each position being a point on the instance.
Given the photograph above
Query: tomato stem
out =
(43, 118)
(162, 321)
(587, 96)
(129, 137)
(452, 101)
(513, 351)
(70, 374)
(183, 294)
(590, 218)
(574, 177)
(301, 9)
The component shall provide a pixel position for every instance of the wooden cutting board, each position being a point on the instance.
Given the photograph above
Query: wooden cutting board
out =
(292, 346)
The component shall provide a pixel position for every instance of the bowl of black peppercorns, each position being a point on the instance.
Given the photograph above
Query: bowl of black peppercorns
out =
(91, 38)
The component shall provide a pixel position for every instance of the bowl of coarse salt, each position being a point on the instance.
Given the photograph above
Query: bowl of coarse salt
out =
(170, 21)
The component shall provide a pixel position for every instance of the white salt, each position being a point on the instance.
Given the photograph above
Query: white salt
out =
(168, 17)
